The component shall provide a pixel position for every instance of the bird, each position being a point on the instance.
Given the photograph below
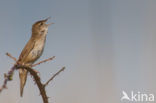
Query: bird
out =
(33, 49)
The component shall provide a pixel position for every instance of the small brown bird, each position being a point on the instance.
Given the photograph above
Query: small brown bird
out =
(33, 49)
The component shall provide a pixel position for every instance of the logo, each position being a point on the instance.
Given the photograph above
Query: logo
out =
(137, 97)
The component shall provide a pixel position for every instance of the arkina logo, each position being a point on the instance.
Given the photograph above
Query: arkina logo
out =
(137, 97)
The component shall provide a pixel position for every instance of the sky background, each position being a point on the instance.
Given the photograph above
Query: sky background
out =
(107, 46)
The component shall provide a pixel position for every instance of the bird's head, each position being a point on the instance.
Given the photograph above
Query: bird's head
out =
(40, 27)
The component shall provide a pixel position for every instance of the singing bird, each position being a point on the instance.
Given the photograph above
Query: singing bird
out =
(33, 49)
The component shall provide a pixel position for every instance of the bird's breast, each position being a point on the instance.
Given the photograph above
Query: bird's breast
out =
(37, 50)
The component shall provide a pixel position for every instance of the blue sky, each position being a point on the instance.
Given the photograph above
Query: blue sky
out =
(106, 46)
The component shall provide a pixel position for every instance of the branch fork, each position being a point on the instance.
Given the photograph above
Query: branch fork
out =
(41, 86)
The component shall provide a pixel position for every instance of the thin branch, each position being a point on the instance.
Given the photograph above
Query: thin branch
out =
(9, 55)
(43, 61)
(63, 68)
(8, 77)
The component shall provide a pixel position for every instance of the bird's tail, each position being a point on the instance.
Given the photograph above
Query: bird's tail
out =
(23, 78)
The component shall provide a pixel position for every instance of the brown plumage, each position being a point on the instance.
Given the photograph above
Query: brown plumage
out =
(33, 49)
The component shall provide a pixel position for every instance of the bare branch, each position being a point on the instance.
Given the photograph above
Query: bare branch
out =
(37, 80)
(9, 55)
(63, 68)
(43, 61)
(17, 65)
(7, 77)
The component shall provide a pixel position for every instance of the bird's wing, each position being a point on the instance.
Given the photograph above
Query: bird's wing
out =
(27, 49)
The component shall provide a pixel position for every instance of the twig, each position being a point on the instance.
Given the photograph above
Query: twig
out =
(9, 55)
(8, 77)
(54, 76)
(43, 61)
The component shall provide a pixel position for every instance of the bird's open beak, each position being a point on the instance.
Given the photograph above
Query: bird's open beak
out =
(50, 24)
(47, 20)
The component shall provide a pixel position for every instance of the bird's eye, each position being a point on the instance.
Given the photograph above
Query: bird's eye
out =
(41, 23)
